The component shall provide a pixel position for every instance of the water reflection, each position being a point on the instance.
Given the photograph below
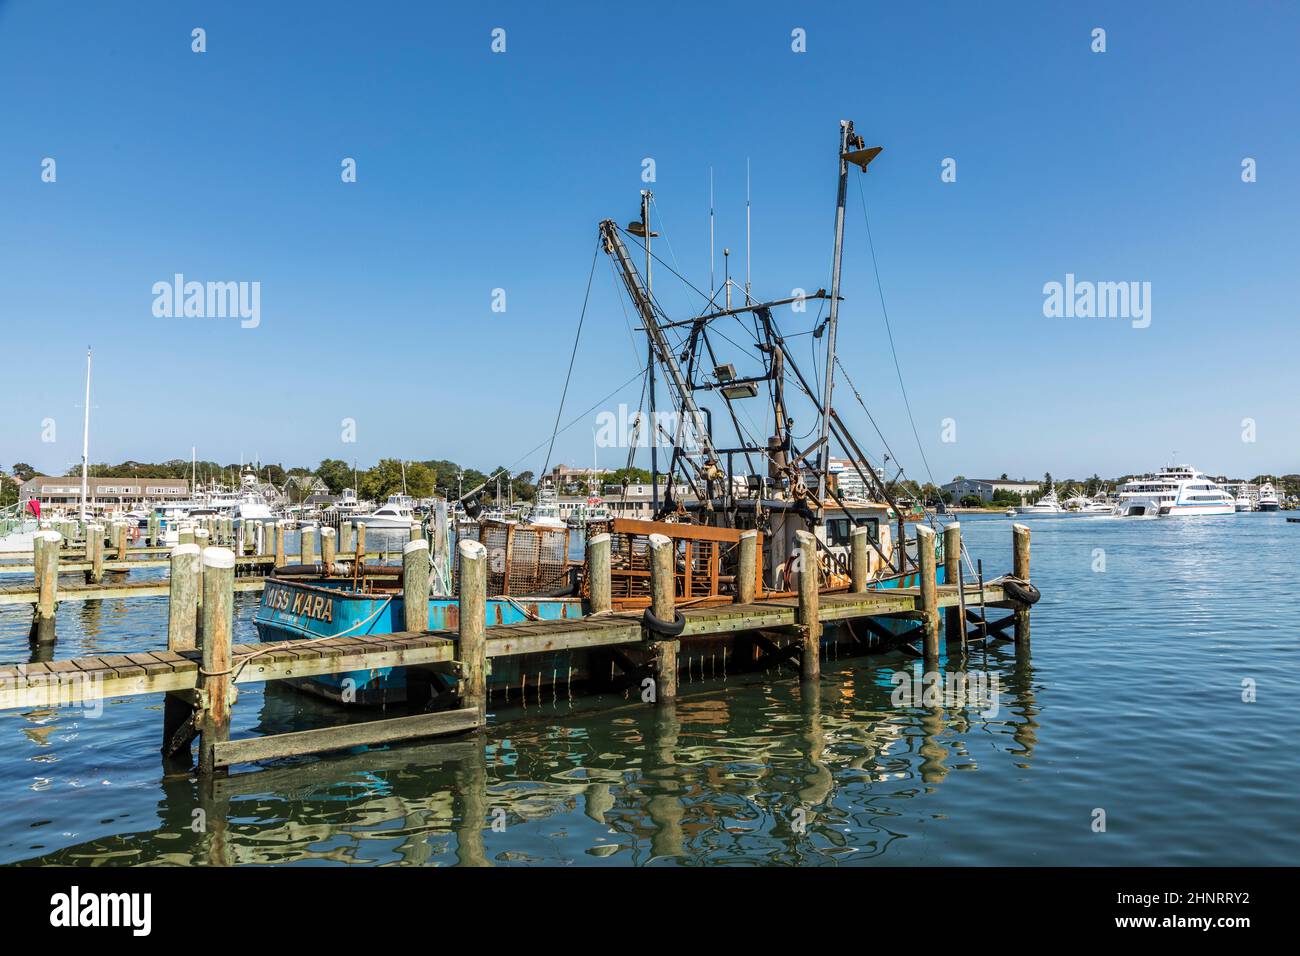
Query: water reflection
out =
(757, 769)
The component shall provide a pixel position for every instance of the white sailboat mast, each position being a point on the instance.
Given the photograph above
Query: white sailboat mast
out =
(85, 444)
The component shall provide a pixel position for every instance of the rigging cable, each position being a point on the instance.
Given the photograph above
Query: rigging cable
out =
(572, 355)
(889, 329)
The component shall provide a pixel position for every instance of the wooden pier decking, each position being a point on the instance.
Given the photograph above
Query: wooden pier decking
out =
(80, 679)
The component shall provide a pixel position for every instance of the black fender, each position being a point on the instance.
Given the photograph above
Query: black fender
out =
(1021, 591)
(663, 628)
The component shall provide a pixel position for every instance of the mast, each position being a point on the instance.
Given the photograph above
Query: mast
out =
(85, 444)
(650, 363)
(823, 455)
(851, 151)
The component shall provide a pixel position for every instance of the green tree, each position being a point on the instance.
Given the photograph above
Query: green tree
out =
(24, 471)
(336, 473)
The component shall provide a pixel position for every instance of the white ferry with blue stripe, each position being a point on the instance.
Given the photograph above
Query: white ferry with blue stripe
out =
(1172, 492)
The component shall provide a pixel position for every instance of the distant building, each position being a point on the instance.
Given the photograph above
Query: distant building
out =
(986, 487)
(849, 483)
(636, 502)
(102, 494)
(567, 480)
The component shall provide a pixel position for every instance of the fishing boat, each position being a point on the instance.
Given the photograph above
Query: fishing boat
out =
(770, 477)
(545, 512)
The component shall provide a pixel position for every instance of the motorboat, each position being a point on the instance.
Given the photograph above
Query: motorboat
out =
(1268, 500)
(1081, 505)
(1049, 504)
(545, 512)
(397, 512)
(1173, 491)
(1244, 502)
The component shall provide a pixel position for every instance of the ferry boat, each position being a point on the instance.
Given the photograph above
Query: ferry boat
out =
(1268, 500)
(1173, 491)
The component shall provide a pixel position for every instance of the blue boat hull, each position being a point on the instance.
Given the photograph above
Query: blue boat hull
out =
(293, 611)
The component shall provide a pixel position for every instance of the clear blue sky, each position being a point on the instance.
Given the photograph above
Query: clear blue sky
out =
(479, 170)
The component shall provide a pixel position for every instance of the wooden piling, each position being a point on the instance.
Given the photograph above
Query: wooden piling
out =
(218, 630)
(327, 552)
(415, 583)
(345, 536)
(182, 598)
(417, 531)
(307, 545)
(95, 553)
(663, 604)
(746, 567)
(279, 544)
(927, 564)
(122, 540)
(1020, 569)
(858, 565)
(601, 596)
(361, 544)
(152, 532)
(185, 535)
(472, 615)
(45, 557)
(953, 623)
(810, 628)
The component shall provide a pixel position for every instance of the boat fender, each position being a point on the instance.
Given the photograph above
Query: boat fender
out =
(1021, 591)
(661, 627)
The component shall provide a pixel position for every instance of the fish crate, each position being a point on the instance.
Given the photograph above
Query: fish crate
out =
(704, 560)
(525, 560)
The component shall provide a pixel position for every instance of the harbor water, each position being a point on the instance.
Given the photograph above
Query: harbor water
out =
(1130, 711)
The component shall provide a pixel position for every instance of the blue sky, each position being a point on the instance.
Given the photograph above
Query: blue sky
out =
(479, 171)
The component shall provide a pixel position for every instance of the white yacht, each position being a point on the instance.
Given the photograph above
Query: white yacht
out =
(1082, 505)
(1268, 500)
(397, 512)
(1173, 491)
(1244, 502)
(1049, 504)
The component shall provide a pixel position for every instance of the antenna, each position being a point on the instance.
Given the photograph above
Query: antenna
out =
(747, 299)
(711, 279)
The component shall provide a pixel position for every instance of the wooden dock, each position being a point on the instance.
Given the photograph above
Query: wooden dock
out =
(81, 679)
(199, 674)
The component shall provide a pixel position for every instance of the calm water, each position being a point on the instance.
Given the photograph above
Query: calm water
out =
(1132, 703)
